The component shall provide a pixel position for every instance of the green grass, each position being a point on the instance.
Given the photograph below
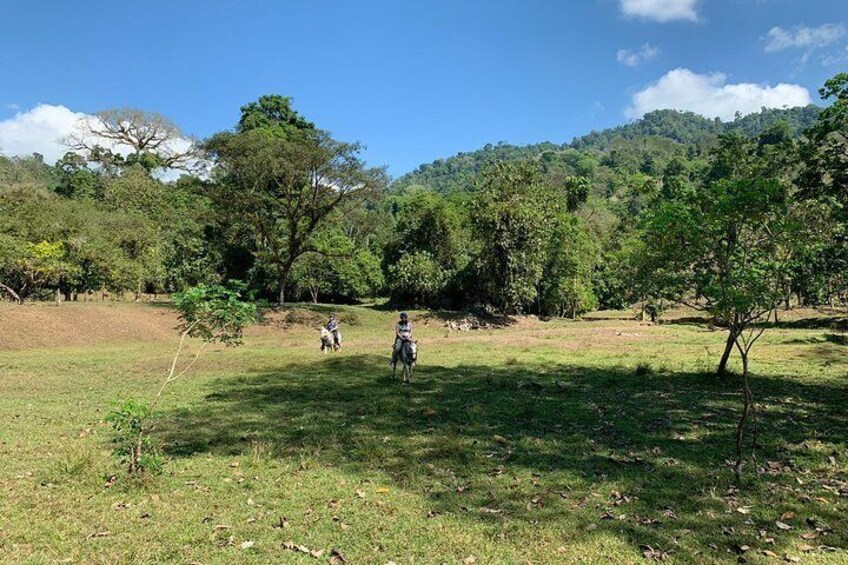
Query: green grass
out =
(550, 442)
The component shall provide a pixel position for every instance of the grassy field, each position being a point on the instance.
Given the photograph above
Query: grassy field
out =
(601, 441)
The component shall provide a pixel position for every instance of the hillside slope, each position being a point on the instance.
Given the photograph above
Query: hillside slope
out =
(656, 128)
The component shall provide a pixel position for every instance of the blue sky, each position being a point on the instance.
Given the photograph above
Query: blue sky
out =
(414, 81)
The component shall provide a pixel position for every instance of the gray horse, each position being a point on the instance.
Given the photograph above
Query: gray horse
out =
(328, 342)
(408, 356)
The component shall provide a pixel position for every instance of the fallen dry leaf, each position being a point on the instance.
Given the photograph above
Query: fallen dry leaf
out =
(782, 526)
(470, 560)
(809, 535)
(806, 548)
(651, 553)
(787, 516)
(247, 544)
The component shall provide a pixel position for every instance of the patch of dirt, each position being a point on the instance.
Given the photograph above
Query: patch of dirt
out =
(34, 325)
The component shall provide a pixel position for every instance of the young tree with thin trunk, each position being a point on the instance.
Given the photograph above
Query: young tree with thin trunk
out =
(726, 250)
(212, 314)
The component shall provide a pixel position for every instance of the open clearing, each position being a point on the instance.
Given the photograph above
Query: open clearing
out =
(538, 443)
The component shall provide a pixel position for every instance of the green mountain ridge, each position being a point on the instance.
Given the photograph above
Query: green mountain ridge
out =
(654, 130)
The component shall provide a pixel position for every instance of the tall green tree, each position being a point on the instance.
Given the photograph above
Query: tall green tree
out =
(512, 221)
(283, 181)
(566, 288)
(824, 180)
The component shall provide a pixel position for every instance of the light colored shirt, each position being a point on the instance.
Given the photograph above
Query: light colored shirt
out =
(404, 329)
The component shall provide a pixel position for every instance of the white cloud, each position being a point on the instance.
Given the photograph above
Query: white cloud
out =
(838, 58)
(38, 130)
(710, 95)
(661, 10)
(635, 58)
(803, 37)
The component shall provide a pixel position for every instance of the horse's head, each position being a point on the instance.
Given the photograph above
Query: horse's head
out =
(325, 334)
(413, 351)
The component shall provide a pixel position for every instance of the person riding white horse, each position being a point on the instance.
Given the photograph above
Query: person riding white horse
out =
(403, 333)
(333, 328)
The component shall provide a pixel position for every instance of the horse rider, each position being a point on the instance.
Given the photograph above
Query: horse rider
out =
(403, 333)
(333, 328)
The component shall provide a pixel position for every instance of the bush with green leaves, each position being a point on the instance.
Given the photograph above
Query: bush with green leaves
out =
(128, 418)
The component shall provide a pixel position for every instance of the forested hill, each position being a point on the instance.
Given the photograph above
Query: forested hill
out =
(685, 128)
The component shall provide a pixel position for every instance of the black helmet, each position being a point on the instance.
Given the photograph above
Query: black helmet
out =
(404, 315)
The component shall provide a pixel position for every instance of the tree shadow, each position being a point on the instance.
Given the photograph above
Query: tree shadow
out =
(643, 458)
(824, 322)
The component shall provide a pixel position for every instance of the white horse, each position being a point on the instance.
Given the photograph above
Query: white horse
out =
(408, 355)
(328, 342)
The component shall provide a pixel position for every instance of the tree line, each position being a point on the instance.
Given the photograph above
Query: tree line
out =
(734, 220)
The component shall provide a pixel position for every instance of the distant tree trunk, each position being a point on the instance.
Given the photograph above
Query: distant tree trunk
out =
(284, 269)
(728, 349)
(313, 289)
(12, 293)
(58, 296)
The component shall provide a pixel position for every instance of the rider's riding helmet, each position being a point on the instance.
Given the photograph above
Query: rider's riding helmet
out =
(404, 316)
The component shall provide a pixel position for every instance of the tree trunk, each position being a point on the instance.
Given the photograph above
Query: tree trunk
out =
(314, 291)
(284, 271)
(12, 293)
(728, 349)
(746, 407)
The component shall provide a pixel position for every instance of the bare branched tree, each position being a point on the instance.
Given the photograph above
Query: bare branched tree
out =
(152, 140)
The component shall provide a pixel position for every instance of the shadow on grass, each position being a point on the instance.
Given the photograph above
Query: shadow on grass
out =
(602, 450)
(825, 322)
